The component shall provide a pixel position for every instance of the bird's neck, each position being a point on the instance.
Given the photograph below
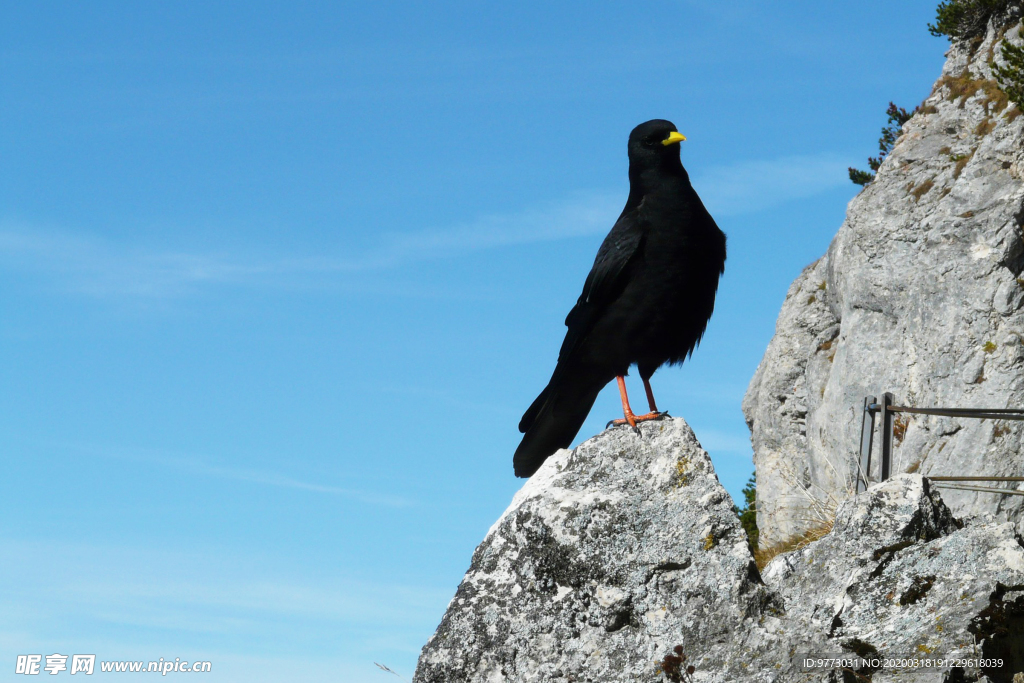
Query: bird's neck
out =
(669, 176)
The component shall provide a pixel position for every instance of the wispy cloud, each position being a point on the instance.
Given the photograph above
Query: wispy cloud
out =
(198, 588)
(95, 266)
(234, 605)
(274, 479)
(198, 466)
(751, 186)
(584, 214)
(99, 267)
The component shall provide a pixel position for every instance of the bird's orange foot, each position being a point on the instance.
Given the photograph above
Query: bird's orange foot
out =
(632, 419)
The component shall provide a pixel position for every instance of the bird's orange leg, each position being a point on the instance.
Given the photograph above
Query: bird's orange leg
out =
(650, 398)
(627, 412)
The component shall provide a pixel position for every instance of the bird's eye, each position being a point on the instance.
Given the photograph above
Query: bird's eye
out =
(648, 142)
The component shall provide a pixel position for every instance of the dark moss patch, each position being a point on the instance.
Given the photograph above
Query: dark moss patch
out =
(551, 563)
(672, 566)
(999, 630)
(886, 555)
(919, 588)
(621, 619)
(861, 649)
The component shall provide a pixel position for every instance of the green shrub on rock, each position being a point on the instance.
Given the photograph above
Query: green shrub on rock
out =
(1010, 75)
(890, 133)
(966, 19)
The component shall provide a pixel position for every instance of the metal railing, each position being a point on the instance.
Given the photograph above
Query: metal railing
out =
(887, 413)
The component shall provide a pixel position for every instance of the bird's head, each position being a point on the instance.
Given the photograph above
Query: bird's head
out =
(654, 143)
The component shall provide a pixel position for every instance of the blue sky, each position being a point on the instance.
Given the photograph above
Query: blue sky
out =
(277, 281)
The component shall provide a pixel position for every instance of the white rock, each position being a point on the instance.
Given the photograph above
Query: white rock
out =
(916, 288)
(639, 564)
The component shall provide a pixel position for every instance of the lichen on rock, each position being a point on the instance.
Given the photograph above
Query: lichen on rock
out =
(602, 568)
(610, 556)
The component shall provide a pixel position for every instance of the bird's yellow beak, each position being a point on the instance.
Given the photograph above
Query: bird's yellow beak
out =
(673, 138)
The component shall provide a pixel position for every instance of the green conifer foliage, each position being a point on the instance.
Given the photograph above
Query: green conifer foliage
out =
(966, 19)
(1010, 75)
(748, 513)
(890, 133)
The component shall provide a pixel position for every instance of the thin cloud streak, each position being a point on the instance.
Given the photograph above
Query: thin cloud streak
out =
(751, 186)
(279, 480)
(97, 267)
(196, 588)
(101, 268)
(196, 466)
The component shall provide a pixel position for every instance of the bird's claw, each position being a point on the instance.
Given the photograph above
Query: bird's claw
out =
(633, 420)
(618, 423)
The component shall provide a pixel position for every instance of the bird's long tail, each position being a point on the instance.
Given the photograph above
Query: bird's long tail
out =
(555, 417)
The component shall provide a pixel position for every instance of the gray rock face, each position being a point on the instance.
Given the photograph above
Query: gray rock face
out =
(903, 578)
(609, 556)
(920, 294)
(617, 552)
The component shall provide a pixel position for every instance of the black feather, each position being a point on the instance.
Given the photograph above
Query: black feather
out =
(646, 301)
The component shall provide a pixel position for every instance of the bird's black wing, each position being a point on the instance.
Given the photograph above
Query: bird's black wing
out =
(556, 415)
(607, 279)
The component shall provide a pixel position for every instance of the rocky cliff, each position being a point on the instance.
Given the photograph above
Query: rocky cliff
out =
(920, 294)
(624, 552)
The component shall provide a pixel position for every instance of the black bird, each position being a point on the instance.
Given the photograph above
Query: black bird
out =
(646, 301)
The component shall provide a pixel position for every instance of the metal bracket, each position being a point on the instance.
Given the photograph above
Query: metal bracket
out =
(885, 426)
(867, 430)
